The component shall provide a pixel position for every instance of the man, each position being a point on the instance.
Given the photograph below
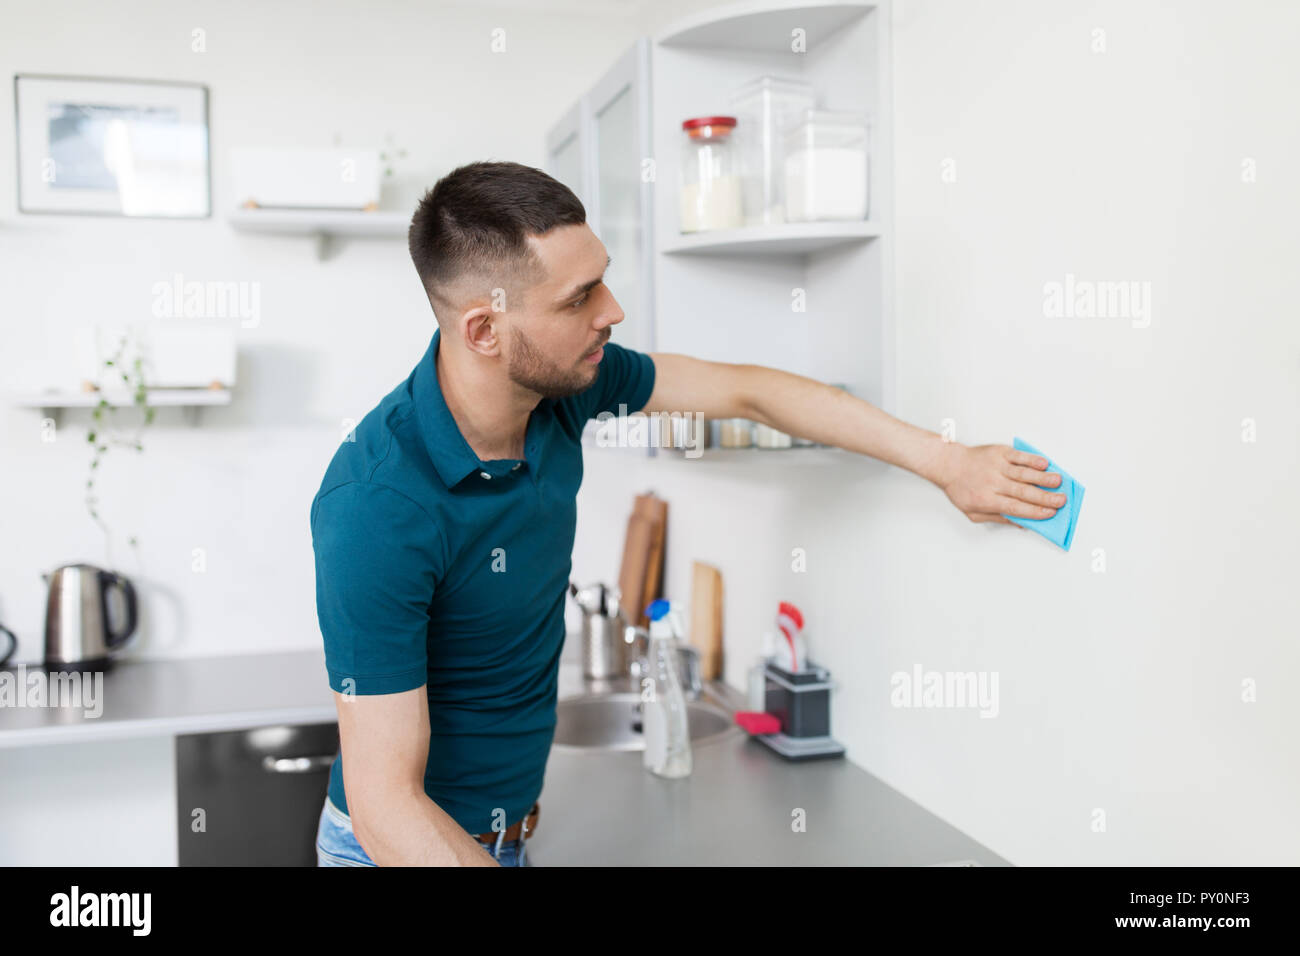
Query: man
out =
(443, 534)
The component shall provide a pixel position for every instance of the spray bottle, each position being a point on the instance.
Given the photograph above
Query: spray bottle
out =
(663, 704)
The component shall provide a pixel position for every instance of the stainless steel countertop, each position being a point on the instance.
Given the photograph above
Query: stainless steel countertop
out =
(188, 695)
(735, 809)
(597, 808)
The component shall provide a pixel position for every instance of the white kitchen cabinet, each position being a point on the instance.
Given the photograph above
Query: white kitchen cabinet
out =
(599, 150)
(811, 298)
(566, 150)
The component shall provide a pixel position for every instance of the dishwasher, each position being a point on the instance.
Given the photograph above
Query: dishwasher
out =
(252, 797)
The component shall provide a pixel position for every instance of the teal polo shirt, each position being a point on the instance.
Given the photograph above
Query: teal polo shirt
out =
(436, 569)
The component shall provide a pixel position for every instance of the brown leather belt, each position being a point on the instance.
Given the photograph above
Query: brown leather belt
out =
(513, 831)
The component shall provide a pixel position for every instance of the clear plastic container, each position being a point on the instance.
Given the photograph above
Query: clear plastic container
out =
(763, 107)
(710, 197)
(827, 173)
(685, 431)
(765, 436)
(736, 433)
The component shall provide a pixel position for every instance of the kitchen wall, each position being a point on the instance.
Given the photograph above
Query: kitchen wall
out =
(1023, 156)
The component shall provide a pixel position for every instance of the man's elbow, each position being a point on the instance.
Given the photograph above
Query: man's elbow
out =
(370, 808)
(745, 385)
(363, 812)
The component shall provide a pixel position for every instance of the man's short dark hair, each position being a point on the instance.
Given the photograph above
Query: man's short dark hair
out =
(477, 219)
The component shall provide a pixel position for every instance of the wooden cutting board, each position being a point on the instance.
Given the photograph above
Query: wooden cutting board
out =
(706, 618)
(641, 574)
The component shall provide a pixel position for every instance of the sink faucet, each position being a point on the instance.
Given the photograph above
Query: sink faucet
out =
(688, 661)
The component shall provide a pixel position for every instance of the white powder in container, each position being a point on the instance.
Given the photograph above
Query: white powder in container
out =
(715, 204)
(826, 182)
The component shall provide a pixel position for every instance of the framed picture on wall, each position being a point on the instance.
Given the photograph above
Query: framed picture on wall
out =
(112, 147)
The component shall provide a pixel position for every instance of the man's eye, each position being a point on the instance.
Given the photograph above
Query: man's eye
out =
(578, 302)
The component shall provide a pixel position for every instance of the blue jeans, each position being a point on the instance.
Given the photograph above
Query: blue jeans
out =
(336, 844)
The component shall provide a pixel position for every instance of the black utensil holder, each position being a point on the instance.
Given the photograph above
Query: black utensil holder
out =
(801, 702)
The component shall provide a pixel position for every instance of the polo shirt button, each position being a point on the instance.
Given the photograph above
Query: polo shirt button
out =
(485, 474)
(516, 466)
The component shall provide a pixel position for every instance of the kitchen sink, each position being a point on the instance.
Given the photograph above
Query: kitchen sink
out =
(613, 722)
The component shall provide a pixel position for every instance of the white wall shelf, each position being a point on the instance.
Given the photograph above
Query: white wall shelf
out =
(763, 27)
(815, 298)
(812, 456)
(326, 225)
(785, 239)
(190, 400)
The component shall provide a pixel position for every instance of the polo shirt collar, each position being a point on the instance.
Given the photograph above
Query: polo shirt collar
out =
(452, 457)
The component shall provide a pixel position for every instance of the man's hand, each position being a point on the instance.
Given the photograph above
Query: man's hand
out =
(989, 481)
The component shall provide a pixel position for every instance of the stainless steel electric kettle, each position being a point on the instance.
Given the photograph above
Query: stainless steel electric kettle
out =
(78, 632)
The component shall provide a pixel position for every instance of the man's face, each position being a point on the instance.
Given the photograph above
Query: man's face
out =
(555, 342)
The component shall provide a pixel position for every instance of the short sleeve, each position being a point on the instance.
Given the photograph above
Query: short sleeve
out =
(379, 557)
(626, 377)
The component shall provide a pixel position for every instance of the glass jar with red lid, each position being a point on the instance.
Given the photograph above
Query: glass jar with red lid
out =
(711, 187)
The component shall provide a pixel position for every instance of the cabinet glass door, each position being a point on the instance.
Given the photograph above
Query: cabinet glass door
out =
(619, 187)
(568, 164)
(598, 149)
(620, 130)
(566, 159)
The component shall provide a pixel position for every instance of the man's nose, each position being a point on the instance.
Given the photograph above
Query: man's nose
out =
(611, 314)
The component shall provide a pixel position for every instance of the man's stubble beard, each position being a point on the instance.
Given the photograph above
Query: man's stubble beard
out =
(530, 369)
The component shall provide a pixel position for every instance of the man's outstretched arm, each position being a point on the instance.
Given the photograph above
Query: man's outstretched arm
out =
(984, 482)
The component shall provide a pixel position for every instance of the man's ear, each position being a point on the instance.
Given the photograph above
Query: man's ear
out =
(482, 330)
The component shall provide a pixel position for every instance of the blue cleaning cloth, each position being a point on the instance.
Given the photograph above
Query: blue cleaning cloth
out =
(1058, 529)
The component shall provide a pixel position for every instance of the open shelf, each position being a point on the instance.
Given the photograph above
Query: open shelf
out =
(308, 222)
(784, 239)
(52, 403)
(815, 456)
(763, 27)
(326, 225)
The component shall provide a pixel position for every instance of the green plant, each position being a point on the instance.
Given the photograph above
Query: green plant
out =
(104, 432)
(390, 154)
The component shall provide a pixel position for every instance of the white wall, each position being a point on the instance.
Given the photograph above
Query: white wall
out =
(1122, 690)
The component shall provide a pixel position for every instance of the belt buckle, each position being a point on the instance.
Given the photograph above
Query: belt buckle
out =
(534, 811)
